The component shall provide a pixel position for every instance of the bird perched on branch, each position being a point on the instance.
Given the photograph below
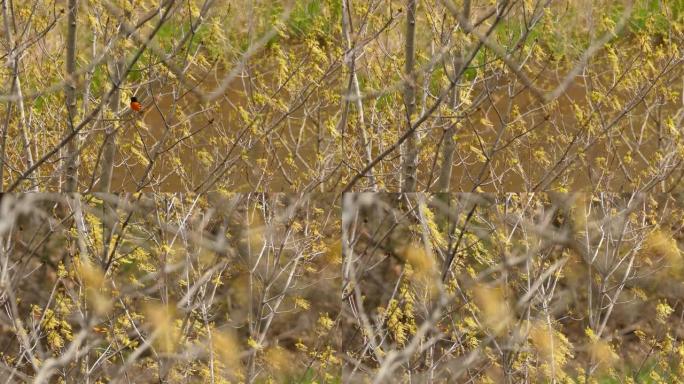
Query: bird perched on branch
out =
(135, 104)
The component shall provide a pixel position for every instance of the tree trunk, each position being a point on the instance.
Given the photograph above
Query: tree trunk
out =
(15, 86)
(71, 156)
(356, 90)
(109, 151)
(444, 181)
(411, 146)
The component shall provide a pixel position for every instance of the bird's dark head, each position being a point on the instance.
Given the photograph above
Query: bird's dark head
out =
(134, 99)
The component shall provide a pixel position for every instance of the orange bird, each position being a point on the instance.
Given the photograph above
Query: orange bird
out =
(135, 104)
